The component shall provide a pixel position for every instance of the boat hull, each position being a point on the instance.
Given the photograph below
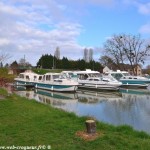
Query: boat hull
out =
(98, 87)
(59, 88)
(24, 83)
(135, 83)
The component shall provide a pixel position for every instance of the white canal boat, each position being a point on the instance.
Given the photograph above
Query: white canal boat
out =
(27, 78)
(129, 80)
(93, 80)
(55, 82)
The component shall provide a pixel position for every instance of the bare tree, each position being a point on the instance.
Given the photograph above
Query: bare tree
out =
(106, 61)
(129, 49)
(24, 63)
(4, 57)
(148, 67)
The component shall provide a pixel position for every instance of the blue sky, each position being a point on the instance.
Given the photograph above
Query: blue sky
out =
(36, 27)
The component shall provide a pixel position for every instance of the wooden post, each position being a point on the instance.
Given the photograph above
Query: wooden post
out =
(91, 126)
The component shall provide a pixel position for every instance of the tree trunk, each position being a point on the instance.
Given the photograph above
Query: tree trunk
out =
(91, 126)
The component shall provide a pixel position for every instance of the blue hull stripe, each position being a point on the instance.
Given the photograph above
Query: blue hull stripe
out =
(54, 86)
(134, 82)
(25, 83)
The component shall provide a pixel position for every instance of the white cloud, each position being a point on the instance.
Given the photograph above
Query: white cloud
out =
(144, 8)
(94, 2)
(145, 29)
(36, 27)
(31, 28)
(4, 41)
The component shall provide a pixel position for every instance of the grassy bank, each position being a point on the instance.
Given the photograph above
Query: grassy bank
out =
(27, 122)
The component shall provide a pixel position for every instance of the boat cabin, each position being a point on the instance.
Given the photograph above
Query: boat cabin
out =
(84, 75)
(30, 76)
(117, 74)
(52, 77)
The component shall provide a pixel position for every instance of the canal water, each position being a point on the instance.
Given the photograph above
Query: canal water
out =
(130, 107)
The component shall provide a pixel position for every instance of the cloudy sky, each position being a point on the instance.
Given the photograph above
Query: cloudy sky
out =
(36, 27)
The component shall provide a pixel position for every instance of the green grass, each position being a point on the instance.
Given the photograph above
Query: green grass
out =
(27, 122)
(43, 71)
(3, 92)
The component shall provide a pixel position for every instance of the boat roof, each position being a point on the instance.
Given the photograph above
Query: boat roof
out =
(118, 71)
(86, 71)
(29, 73)
(52, 73)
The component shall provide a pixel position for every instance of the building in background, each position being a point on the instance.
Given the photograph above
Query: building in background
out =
(57, 53)
(88, 55)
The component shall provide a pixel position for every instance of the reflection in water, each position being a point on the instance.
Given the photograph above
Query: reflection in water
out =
(130, 107)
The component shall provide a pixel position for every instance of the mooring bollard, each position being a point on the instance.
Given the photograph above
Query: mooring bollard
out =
(91, 126)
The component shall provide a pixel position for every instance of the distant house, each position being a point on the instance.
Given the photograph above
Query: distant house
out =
(13, 69)
(106, 69)
(137, 69)
(16, 69)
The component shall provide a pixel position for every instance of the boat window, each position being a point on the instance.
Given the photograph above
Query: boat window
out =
(90, 79)
(70, 74)
(82, 76)
(126, 74)
(85, 76)
(48, 77)
(130, 77)
(58, 80)
(74, 76)
(27, 77)
(94, 75)
(35, 77)
(105, 80)
(96, 80)
(21, 76)
(135, 78)
(55, 76)
(117, 75)
(106, 74)
(40, 77)
(44, 78)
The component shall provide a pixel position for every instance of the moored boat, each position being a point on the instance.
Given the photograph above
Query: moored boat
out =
(129, 80)
(92, 80)
(27, 78)
(55, 82)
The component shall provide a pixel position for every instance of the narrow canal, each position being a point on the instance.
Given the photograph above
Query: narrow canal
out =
(130, 107)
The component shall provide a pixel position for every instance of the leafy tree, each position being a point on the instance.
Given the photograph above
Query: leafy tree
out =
(81, 64)
(1, 65)
(65, 63)
(48, 62)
